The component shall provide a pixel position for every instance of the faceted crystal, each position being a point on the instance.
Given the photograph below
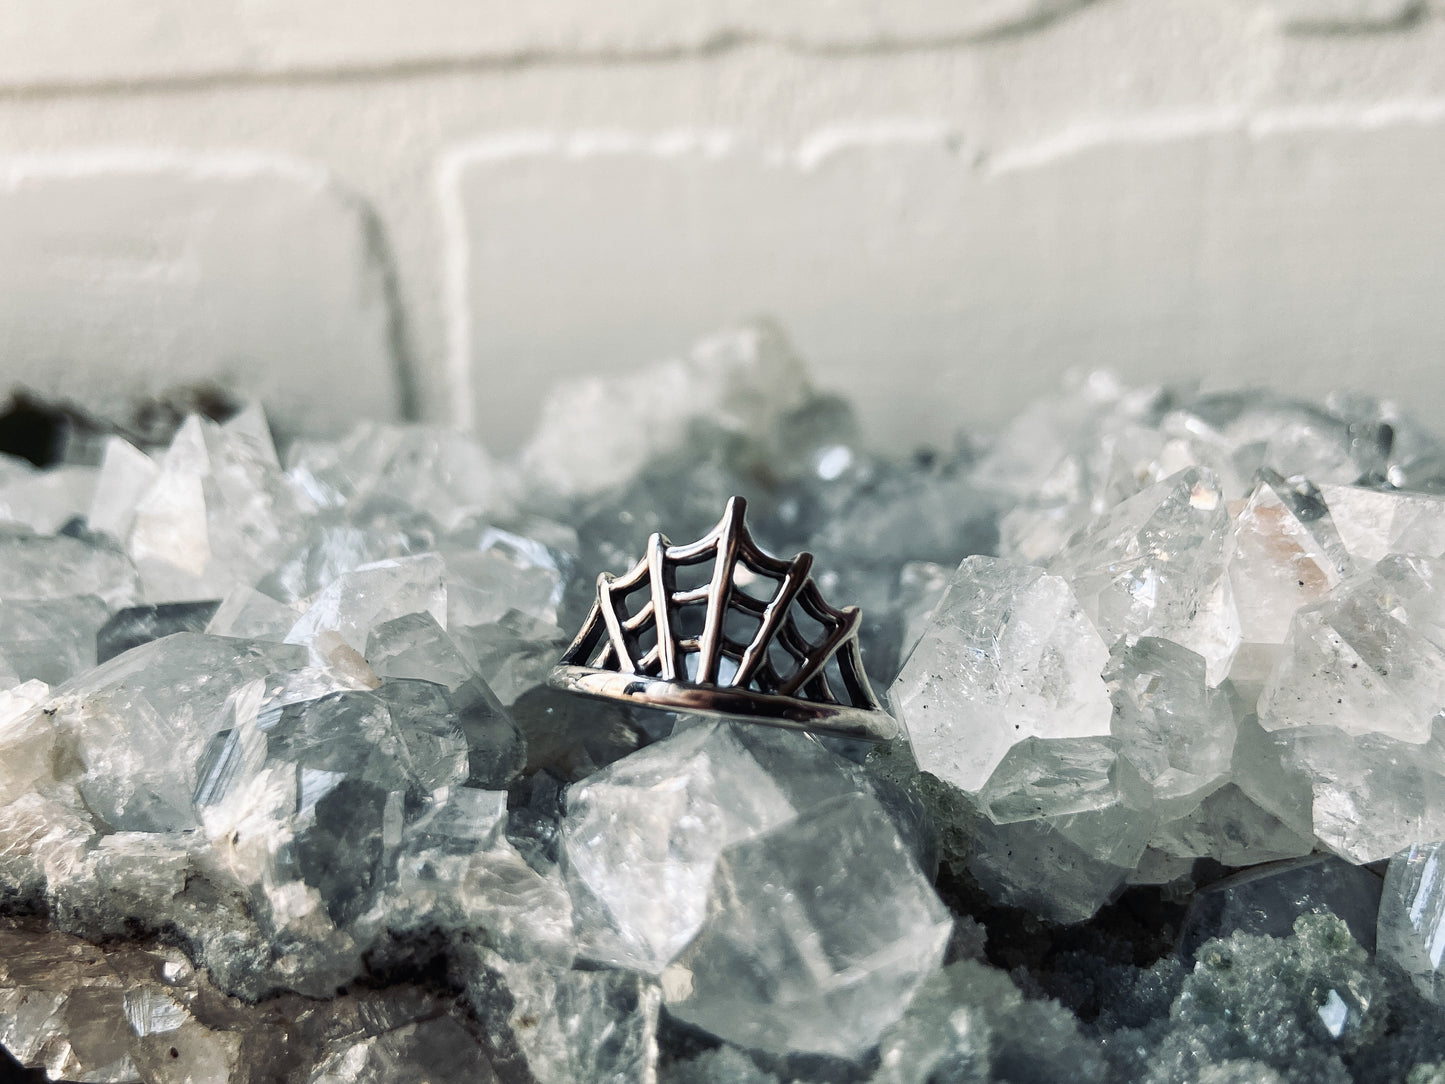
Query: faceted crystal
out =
(247, 613)
(330, 550)
(1065, 821)
(415, 646)
(743, 381)
(816, 935)
(575, 1025)
(641, 891)
(1264, 430)
(1041, 778)
(137, 724)
(50, 641)
(1174, 730)
(1287, 554)
(36, 568)
(126, 473)
(218, 513)
(1372, 795)
(1368, 659)
(432, 469)
(1007, 655)
(1064, 868)
(357, 602)
(1376, 522)
(503, 572)
(515, 654)
(1411, 927)
(1233, 830)
(1150, 563)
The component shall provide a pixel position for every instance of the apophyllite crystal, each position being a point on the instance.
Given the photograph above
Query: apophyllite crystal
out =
(1008, 655)
(284, 797)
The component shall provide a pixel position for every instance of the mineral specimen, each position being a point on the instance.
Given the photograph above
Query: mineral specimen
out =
(283, 797)
(1008, 654)
(816, 935)
(1411, 929)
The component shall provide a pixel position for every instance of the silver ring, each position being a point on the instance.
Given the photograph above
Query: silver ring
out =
(753, 641)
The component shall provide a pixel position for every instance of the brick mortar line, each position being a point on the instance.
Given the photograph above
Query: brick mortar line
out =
(720, 44)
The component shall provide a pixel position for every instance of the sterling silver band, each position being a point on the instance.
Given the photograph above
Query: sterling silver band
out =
(723, 702)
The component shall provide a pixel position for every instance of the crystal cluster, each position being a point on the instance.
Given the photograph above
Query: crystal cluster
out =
(1261, 575)
(284, 796)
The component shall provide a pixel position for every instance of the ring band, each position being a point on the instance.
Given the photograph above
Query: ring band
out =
(754, 642)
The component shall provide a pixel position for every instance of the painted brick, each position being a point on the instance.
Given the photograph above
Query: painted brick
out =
(81, 42)
(941, 289)
(128, 274)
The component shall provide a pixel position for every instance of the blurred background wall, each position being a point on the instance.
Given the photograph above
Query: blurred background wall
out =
(433, 208)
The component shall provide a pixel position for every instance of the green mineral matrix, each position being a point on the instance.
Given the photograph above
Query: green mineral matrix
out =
(284, 795)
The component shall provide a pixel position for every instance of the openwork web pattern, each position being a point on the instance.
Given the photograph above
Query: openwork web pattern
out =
(722, 612)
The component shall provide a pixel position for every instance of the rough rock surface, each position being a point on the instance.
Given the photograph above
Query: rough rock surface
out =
(283, 796)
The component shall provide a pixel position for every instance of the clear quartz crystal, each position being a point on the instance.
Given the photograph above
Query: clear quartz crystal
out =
(504, 571)
(137, 725)
(1374, 523)
(744, 381)
(431, 469)
(1411, 927)
(356, 602)
(1066, 821)
(218, 513)
(1233, 830)
(1175, 731)
(1287, 554)
(51, 640)
(1353, 707)
(642, 894)
(36, 568)
(1366, 660)
(816, 934)
(248, 613)
(1212, 638)
(1149, 565)
(126, 473)
(1007, 655)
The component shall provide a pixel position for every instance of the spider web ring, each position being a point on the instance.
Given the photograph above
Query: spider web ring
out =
(780, 675)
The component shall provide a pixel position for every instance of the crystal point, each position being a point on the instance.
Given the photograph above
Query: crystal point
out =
(816, 934)
(1008, 654)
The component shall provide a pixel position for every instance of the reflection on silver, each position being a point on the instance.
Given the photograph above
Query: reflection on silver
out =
(753, 640)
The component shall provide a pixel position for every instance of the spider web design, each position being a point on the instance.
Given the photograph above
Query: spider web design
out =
(739, 629)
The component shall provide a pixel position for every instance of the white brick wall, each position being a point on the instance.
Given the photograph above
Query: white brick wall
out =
(946, 203)
(133, 272)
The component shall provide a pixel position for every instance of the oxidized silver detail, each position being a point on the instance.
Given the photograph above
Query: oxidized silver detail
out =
(731, 646)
